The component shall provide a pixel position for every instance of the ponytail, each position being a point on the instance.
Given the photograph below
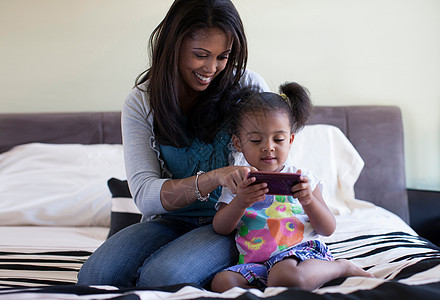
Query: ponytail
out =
(299, 101)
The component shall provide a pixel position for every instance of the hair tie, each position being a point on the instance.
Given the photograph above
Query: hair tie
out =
(284, 96)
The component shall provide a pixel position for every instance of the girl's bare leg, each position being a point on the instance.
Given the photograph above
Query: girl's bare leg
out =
(311, 274)
(226, 280)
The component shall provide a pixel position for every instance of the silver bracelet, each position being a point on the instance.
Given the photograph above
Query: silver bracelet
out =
(198, 194)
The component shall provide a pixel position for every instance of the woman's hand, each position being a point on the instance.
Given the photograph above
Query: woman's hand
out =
(232, 176)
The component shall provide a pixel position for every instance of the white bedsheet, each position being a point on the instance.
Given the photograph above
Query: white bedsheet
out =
(30, 238)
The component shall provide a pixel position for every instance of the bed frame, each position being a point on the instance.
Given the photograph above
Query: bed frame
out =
(375, 131)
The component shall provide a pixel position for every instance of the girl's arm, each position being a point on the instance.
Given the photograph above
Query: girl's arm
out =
(227, 217)
(319, 214)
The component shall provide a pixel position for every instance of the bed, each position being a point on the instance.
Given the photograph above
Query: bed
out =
(56, 206)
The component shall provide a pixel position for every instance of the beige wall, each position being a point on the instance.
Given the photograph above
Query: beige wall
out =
(83, 55)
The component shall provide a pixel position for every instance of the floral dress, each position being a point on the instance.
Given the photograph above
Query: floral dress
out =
(273, 229)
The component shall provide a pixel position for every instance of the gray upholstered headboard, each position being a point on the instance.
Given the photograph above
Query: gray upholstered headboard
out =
(375, 131)
(60, 128)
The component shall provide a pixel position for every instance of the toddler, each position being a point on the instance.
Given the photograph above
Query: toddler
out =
(277, 236)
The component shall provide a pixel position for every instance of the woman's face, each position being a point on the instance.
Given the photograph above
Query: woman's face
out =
(265, 140)
(202, 56)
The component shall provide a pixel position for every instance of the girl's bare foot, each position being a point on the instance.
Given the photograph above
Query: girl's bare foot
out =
(353, 270)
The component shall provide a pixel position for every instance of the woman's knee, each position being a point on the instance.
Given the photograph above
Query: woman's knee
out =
(117, 260)
(99, 271)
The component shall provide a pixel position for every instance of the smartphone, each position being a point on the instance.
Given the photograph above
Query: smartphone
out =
(277, 183)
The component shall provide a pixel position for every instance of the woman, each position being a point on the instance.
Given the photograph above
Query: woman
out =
(176, 151)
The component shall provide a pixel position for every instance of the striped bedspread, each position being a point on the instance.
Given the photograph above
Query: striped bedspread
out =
(406, 266)
(32, 256)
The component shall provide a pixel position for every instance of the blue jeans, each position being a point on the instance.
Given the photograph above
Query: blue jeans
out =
(165, 251)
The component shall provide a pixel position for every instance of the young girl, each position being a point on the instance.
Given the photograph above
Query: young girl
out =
(277, 236)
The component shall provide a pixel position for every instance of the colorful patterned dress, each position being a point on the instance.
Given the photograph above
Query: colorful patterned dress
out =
(275, 228)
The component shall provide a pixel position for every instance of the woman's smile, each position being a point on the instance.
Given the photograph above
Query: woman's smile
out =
(203, 79)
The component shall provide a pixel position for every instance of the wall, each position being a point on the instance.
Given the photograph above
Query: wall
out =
(82, 55)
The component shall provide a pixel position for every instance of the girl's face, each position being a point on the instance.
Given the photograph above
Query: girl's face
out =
(202, 57)
(265, 140)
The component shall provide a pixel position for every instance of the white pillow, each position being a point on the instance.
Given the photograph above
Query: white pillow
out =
(327, 152)
(58, 185)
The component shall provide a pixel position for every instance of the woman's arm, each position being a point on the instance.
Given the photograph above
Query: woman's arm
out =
(142, 166)
(152, 193)
(179, 193)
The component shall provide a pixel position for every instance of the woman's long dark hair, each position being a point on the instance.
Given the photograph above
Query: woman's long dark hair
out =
(183, 19)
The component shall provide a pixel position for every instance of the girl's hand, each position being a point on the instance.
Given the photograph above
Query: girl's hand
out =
(303, 191)
(248, 193)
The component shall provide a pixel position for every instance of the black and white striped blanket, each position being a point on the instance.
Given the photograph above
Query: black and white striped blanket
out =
(406, 266)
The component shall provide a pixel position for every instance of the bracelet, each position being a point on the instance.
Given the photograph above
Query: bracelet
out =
(198, 194)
